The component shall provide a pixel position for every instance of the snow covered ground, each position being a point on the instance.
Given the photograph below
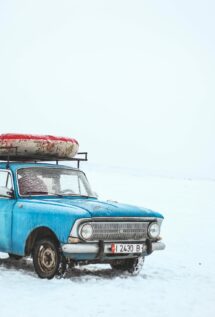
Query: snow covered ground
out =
(179, 281)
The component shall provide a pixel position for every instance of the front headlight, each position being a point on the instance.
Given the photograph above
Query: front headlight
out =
(154, 230)
(86, 231)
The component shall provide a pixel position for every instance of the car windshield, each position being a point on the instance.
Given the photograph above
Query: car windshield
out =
(53, 181)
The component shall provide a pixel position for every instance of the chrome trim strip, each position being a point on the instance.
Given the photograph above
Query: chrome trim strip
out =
(157, 246)
(81, 248)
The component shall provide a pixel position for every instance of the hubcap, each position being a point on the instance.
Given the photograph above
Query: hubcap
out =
(47, 258)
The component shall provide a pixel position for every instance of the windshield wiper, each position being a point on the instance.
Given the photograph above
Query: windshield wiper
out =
(42, 193)
(35, 193)
(55, 194)
(79, 195)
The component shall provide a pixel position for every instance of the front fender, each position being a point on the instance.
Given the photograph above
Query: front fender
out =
(28, 215)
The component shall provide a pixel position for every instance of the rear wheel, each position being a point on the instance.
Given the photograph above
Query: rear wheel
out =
(132, 266)
(47, 258)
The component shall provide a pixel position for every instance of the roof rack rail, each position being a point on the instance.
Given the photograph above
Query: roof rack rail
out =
(11, 155)
(83, 157)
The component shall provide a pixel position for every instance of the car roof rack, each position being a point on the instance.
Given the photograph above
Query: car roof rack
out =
(11, 155)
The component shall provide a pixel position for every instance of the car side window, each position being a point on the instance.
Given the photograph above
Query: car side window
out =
(5, 182)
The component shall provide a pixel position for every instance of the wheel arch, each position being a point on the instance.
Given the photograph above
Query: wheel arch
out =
(36, 234)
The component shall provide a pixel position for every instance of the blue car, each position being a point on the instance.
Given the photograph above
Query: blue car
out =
(49, 211)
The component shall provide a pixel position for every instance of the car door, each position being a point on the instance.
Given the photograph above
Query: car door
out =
(6, 210)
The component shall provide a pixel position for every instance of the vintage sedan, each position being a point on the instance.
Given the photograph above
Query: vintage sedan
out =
(49, 211)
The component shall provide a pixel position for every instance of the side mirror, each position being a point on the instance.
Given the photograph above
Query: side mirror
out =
(6, 193)
(10, 193)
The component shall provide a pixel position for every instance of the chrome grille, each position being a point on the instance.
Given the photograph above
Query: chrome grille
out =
(113, 231)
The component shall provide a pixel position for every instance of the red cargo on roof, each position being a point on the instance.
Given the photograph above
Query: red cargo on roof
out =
(27, 146)
(13, 136)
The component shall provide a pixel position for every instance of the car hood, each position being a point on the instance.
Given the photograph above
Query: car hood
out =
(97, 208)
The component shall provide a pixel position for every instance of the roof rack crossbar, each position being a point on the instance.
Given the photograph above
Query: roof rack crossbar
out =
(82, 157)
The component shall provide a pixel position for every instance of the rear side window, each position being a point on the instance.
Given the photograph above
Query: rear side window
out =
(5, 179)
(6, 185)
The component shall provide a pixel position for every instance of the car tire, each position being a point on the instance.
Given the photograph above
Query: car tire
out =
(47, 259)
(132, 266)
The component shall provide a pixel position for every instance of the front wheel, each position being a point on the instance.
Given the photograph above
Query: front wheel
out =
(132, 266)
(47, 258)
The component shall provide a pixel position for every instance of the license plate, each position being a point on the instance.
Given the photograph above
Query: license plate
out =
(126, 248)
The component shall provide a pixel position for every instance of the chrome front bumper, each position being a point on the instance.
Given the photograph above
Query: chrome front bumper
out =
(94, 248)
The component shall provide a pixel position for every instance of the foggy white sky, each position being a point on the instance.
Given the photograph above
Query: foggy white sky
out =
(134, 76)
